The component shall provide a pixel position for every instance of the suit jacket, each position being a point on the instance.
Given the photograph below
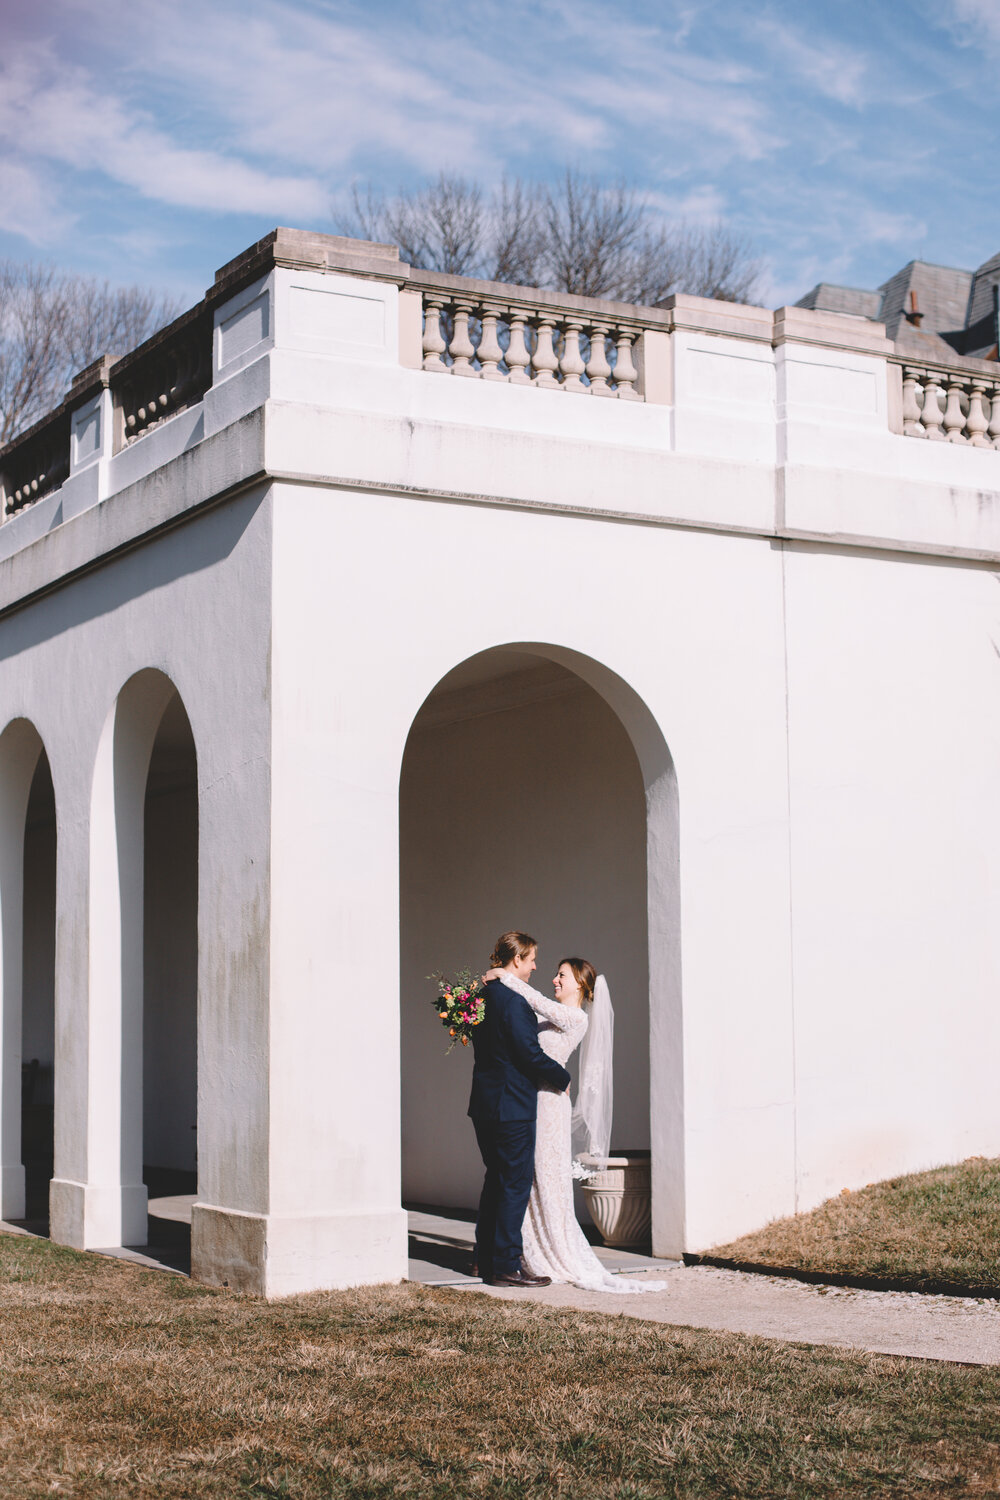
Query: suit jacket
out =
(510, 1066)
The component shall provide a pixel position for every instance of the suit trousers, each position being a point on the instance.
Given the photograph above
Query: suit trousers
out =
(508, 1151)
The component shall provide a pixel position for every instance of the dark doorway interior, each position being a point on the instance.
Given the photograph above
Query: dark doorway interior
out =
(38, 997)
(170, 988)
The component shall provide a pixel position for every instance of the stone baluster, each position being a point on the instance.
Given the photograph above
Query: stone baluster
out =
(994, 427)
(977, 423)
(626, 373)
(571, 363)
(545, 361)
(598, 368)
(434, 344)
(912, 425)
(490, 351)
(518, 358)
(931, 413)
(954, 416)
(462, 349)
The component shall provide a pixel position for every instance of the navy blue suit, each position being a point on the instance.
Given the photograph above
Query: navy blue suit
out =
(510, 1068)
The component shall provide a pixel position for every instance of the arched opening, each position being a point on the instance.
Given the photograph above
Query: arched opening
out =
(38, 995)
(27, 974)
(537, 791)
(170, 982)
(143, 972)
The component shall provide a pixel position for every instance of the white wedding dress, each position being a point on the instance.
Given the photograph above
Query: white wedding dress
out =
(554, 1243)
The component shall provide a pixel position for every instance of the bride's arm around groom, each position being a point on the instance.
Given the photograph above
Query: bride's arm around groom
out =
(510, 1068)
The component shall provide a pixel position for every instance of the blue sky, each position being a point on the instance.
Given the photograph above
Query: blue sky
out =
(152, 142)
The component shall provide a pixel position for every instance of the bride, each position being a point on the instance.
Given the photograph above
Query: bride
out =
(554, 1243)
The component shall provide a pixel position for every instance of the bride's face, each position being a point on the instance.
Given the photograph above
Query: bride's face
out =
(565, 985)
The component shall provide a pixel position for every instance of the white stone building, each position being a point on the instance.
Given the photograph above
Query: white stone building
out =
(320, 664)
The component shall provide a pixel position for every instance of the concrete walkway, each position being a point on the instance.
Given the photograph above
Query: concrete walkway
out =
(958, 1329)
(962, 1330)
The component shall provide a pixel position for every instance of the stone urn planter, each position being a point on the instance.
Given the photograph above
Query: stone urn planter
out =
(619, 1196)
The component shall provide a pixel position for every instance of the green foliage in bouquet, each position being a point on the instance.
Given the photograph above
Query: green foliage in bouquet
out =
(460, 1004)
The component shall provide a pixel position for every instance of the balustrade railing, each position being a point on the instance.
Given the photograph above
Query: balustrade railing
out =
(471, 330)
(524, 344)
(950, 405)
(36, 463)
(163, 378)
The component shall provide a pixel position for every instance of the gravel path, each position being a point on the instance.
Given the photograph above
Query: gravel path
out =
(965, 1330)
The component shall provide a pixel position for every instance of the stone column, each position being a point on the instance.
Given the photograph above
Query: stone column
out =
(97, 1196)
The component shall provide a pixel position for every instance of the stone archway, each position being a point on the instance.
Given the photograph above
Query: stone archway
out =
(143, 947)
(27, 940)
(537, 791)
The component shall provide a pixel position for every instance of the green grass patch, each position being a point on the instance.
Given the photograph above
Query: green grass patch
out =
(937, 1228)
(115, 1380)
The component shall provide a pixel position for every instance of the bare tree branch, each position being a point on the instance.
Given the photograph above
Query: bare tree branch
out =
(592, 235)
(102, 319)
(32, 307)
(53, 325)
(580, 235)
(516, 235)
(439, 228)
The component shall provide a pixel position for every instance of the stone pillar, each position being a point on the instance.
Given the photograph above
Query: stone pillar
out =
(97, 1196)
(299, 1152)
(230, 1220)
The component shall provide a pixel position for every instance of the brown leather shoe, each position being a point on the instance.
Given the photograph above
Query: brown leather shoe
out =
(519, 1277)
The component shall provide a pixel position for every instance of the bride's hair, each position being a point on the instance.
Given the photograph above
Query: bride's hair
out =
(511, 945)
(585, 975)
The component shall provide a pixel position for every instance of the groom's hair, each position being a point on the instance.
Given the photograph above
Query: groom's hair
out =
(511, 945)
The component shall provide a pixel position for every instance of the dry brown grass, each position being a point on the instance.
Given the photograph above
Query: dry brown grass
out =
(118, 1381)
(939, 1228)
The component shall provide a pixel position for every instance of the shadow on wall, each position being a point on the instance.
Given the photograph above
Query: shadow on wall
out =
(521, 805)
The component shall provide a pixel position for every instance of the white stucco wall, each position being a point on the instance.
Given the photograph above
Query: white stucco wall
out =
(693, 624)
(894, 715)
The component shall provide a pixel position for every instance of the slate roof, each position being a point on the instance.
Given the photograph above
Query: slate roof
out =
(827, 297)
(955, 309)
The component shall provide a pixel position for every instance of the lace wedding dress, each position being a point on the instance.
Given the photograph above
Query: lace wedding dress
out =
(554, 1243)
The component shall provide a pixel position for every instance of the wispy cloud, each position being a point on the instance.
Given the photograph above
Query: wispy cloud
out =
(831, 69)
(52, 111)
(830, 135)
(29, 207)
(976, 21)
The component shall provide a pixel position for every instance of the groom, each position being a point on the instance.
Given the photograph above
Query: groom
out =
(509, 1070)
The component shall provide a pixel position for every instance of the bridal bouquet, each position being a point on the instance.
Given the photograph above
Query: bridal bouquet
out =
(460, 1004)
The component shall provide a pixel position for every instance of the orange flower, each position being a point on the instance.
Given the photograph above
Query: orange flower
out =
(465, 1041)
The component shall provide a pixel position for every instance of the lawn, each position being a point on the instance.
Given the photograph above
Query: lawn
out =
(931, 1229)
(118, 1381)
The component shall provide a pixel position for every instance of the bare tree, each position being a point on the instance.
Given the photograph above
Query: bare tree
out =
(105, 319)
(580, 235)
(594, 236)
(31, 356)
(53, 325)
(442, 226)
(517, 234)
